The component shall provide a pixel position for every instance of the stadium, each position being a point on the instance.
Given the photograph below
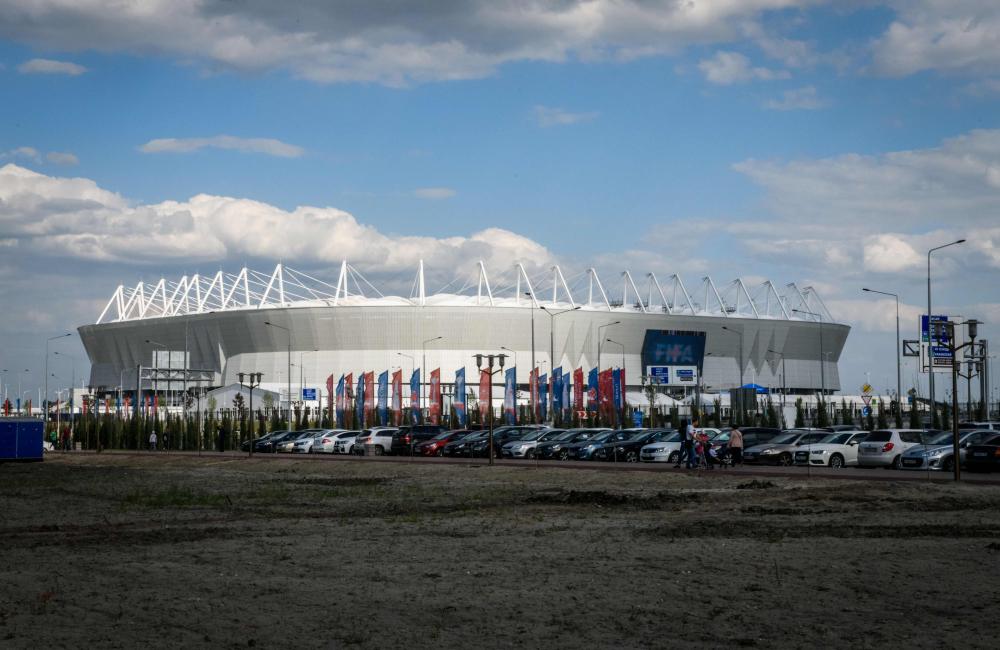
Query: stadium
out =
(202, 331)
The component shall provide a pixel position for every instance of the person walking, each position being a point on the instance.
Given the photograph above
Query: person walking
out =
(65, 438)
(736, 445)
(684, 453)
(152, 441)
(690, 434)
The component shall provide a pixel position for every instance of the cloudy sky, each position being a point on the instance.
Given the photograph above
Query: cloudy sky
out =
(826, 143)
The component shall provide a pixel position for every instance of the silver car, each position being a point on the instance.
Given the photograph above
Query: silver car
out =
(938, 454)
(344, 442)
(781, 449)
(525, 447)
(885, 447)
(300, 444)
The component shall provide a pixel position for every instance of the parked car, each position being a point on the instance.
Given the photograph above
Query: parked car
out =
(262, 443)
(304, 443)
(627, 449)
(463, 446)
(324, 443)
(287, 444)
(937, 453)
(270, 444)
(885, 447)
(435, 446)
(525, 447)
(752, 436)
(376, 441)
(985, 456)
(407, 437)
(781, 449)
(835, 450)
(665, 450)
(344, 442)
(981, 426)
(584, 449)
(558, 448)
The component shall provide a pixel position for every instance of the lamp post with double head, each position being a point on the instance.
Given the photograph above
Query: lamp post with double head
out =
(930, 328)
(490, 358)
(252, 381)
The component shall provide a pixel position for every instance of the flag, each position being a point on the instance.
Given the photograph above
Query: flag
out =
(359, 401)
(329, 398)
(459, 402)
(484, 392)
(605, 395)
(543, 393)
(397, 397)
(557, 391)
(510, 395)
(383, 398)
(616, 376)
(415, 396)
(533, 389)
(435, 397)
(592, 390)
(369, 395)
(578, 395)
(567, 403)
(341, 399)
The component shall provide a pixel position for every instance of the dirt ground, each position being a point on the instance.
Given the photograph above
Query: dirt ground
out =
(172, 551)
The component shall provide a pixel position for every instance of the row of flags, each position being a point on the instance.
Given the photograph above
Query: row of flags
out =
(604, 394)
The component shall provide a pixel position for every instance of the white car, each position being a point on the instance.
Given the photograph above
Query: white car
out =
(885, 447)
(344, 442)
(376, 441)
(665, 451)
(324, 442)
(303, 444)
(836, 450)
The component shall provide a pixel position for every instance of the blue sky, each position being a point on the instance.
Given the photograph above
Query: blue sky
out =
(823, 143)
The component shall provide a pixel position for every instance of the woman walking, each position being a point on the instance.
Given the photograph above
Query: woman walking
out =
(736, 445)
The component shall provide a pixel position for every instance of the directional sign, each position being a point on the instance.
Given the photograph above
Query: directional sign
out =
(866, 411)
(659, 374)
(308, 394)
(911, 348)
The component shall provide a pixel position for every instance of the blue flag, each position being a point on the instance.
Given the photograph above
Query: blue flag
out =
(543, 396)
(415, 396)
(510, 395)
(557, 396)
(383, 398)
(592, 390)
(340, 403)
(458, 403)
(359, 401)
(617, 378)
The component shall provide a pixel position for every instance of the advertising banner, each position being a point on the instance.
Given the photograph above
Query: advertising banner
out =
(605, 395)
(557, 392)
(383, 398)
(533, 390)
(593, 390)
(510, 396)
(543, 392)
(415, 413)
(340, 402)
(397, 397)
(669, 348)
(329, 398)
(567, 396)
(616, 376)
(484, 393)
(435, 397)
(359, 402)
(935, 354)
(579, 388)
(369, 395)
(459, 402)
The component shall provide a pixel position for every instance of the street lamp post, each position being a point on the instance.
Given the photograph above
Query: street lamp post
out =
(899, 358)
(599, 339)
(822, 355)
(552, 345)
(413, 362)
(783, 387)
(930, 328)
(253, 381)
(534, 406)
(621, 420)
(490, 358)
(739, 393)
(156, 381)
(45, 402)
(288, 379)
(72, 415)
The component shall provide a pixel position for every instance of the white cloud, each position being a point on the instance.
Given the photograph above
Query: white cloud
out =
(62, 158)
(727, 68)
(49, 66)
(798, 99)
(75, 218)
(961, 36)
(546, 116)
(876, 314)
(267, 146)
(889, 253)
(381, 40)
(23, 152)
(434, 193)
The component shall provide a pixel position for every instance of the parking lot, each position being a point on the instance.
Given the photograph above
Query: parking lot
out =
(165, 549)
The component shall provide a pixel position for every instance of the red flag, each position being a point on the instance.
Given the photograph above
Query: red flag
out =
(369, 394)
(435, 406)
(580, 388)
(606, 387)
(329, 398)
(397, 397)
(484, 391)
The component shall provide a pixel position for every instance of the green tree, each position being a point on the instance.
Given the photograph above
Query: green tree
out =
(946, 416)
(883, 422)
(800, 418)
(717, 414)
(823, 415)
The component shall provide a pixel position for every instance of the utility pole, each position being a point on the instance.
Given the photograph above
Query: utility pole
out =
(490, 358)
(930, 328)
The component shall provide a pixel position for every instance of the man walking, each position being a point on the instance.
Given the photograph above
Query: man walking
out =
(684, 455)
(152, 440)
(736, 445)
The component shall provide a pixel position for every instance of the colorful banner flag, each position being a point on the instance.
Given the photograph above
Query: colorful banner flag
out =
(359, 401)
(383, 398)
(579, 388)
(510, 395)
(435, 396)
(567, 397)
(605, 395)
(415, 413)
(484, 393)
(593, 389)
(341, 400)
(369, 395)
(458, 403)
(533, 389)
(616, 375)
(397, 397)
(557, 392)
(329, 398)
(543, 393)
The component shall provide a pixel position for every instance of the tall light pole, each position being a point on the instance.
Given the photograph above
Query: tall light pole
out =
(72, 415)
(253, 381)
(599, 339)
(552, 343)
(621, 420)
(489, 365)
(156, 378)
(289, 377)
(930, 328)
(45, 402)
(534, 407)
(739, 393)
(423, 373)
(783, 387)
(899, 358)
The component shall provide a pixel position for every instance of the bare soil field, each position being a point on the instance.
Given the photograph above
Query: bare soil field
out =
(184, 551)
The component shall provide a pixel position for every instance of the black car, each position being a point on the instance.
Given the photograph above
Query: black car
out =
(984, 457)
(463, 447)
(627, 449)
(584, 449)
(435, 446)
(406, 438)
(266, 443)
(558, 448)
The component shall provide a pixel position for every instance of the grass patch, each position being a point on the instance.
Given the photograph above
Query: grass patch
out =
(174, 497)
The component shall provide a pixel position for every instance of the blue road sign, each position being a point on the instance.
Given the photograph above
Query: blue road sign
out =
(308, 394)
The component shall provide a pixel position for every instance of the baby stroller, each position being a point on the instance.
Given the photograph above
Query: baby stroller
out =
(717, 455)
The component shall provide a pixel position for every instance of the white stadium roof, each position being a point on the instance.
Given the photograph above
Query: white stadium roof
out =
(287, 288)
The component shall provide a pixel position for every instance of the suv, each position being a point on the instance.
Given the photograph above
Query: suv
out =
(780, 450)
(938, 451)
(377, 441)
(404, 439)
(344, 443)
(885, 447)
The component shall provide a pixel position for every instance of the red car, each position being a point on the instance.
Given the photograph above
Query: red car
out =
(435, 445)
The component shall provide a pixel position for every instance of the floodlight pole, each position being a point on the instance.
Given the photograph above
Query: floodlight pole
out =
(552, 348)
(621, 421)
(288, 377)
(253, 382)
(424, 374)
(930, 329)
(739, 393)
(489, 365)
(45, 402)
(899, 358)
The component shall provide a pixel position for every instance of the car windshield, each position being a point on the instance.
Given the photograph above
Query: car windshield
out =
(601, 437)
(786, 439)
(534, 435)
(812, 438)
(566, 435)
(879, 436)
(942, 438)
(667, 436)
(551, 435)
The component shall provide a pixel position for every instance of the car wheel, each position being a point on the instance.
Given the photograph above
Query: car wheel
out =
(440, 453)
(378, 450)
(948, 465)
(530, 454)
(351, 451)
(785, 460)
(836, 461)
(895, 463)
(673, 457)
(631, 457)
(564, 455)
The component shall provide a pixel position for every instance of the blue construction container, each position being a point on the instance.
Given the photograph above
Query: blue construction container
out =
(21, 439)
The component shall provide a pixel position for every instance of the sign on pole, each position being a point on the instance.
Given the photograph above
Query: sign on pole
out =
(673, 375)
(934, 350)
(308, 394)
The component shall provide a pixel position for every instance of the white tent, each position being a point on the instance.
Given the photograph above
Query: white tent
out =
(224, 396)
